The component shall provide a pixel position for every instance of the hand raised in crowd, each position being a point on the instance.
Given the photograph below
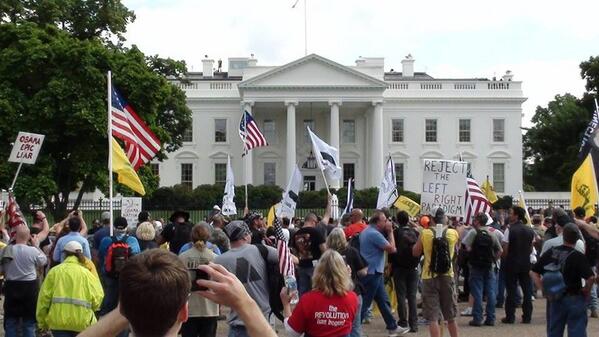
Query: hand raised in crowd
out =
(223, 287)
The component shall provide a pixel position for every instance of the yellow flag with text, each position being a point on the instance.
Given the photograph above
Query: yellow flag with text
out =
(489, 191)
(584, 187)
(123, 168)
(406, 204)
(522, 203)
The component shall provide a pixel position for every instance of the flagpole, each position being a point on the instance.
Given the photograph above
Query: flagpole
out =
(14, 180)
(109, 87)
(325, 182)
(245, 134)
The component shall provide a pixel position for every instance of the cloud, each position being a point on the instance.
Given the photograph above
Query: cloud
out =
(466, 38)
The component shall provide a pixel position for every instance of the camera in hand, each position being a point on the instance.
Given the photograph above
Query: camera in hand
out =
(199, 275)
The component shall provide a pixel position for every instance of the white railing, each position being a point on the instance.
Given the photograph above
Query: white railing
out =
(397, 85)
(464, 86)
(453, 85)
(431, 86)
(206, 85)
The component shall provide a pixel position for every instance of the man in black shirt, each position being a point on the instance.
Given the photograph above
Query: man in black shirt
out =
(570, 309)
(177, 232)
(309, 245)
(517, 247)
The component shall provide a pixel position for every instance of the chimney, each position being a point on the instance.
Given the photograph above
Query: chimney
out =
(508, 75)
(252, 62)
(407, 66)
(207, 67)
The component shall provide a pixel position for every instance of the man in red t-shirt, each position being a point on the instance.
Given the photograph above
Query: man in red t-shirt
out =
(322, 316)
(357, 223)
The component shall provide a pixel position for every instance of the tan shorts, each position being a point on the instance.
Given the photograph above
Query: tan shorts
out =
(439, 297)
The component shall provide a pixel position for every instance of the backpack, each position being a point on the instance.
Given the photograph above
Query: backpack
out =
(354, 241)
(405, 239)
(440, 256)
(482, 255)
(275, 282)
(118, 254)
(554, 285)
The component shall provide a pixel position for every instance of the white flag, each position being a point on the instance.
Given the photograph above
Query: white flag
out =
(291, 195)
(229, 207)
(388, 189)
(327, 157)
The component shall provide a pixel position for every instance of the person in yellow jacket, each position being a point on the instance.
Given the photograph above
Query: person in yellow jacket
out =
(69, 295)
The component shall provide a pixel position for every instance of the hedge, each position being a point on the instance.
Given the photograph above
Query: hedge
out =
(204, 197)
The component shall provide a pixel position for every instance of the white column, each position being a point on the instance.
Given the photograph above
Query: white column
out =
(335, 135)
(248, 173)
(291, 152)
(376, 162)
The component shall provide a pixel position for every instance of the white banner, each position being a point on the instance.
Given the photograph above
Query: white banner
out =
(130, 209)
(229, 207)
(291, 195)
(26, 148)
(388, 188)
(327, 157)
(444, 185)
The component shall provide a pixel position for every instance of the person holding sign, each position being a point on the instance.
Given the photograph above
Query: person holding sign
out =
(438, 244)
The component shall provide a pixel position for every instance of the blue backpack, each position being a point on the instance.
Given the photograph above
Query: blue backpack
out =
(554, 285)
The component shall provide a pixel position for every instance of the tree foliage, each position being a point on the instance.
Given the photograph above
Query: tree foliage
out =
(54, 56)
(551, 145)
(589, 70)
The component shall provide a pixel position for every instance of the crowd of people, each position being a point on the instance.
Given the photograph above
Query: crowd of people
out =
(158, 278)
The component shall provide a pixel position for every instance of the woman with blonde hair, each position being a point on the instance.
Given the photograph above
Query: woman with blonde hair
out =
(330, 308)
(203, 313)
(359, 267)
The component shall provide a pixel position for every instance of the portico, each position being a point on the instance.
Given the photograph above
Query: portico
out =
(326, 92)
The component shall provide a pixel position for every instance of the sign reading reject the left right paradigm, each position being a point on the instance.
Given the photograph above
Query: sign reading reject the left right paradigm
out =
(26, 148)
(444, 185)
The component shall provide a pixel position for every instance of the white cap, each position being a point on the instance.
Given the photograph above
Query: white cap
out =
(73, 247)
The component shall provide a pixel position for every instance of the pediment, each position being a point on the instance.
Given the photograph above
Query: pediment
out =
(186, 155)
(219, 155)
(313, 71)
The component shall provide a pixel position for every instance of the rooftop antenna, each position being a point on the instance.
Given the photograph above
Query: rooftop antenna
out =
(305, 25)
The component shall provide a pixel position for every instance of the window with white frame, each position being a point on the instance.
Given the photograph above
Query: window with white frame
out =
(220, 130)
(349, 171)
(499, 177)
(220, 174)
(430, 130)
(188, 134)
(270, 174)
(397, 130)
(155, 167)
(187, 175)
(464, 131)
(499, 130)
(269, 131)
(399, 175)
(349, 131)
(309, 183)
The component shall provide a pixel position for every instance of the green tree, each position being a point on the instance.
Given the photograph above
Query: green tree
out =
(589, 70)
(551, 145)
(54, 56)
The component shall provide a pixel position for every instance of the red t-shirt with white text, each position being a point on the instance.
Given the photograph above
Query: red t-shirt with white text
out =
(318, 315)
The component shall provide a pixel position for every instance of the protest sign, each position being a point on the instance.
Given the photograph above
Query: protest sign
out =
(26, 148)
(444, 185)
(130, 209)
(404, 203)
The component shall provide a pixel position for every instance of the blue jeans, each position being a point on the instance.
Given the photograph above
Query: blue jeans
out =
(375, 290)
(111, 299)
(304, 279)
(11, 326)
(482, 282)
(593, 302)
(356, 327)
(571, 311)
(238, 331)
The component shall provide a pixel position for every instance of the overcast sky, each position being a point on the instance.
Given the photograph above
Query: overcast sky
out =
(542, 42)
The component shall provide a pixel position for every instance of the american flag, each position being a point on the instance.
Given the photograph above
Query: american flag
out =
(141, 144)
(15, 216)
(252, 137)
(476, 202)
(285, 265)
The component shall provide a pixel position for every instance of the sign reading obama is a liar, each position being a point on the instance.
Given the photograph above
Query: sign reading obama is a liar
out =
(444, 185)
(26, 148)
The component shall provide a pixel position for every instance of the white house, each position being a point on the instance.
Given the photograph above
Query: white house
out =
(364, 110)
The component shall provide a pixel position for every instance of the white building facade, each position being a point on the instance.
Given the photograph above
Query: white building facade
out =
(364, 111)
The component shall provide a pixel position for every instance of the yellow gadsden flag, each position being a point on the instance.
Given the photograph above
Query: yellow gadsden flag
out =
(124, 169)
(584, 187)
(406, 204)
(522, 203)
(489, 191)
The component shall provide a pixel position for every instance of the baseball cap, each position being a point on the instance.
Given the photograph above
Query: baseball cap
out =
(73, 247)
(236, 230)
(105, 216)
